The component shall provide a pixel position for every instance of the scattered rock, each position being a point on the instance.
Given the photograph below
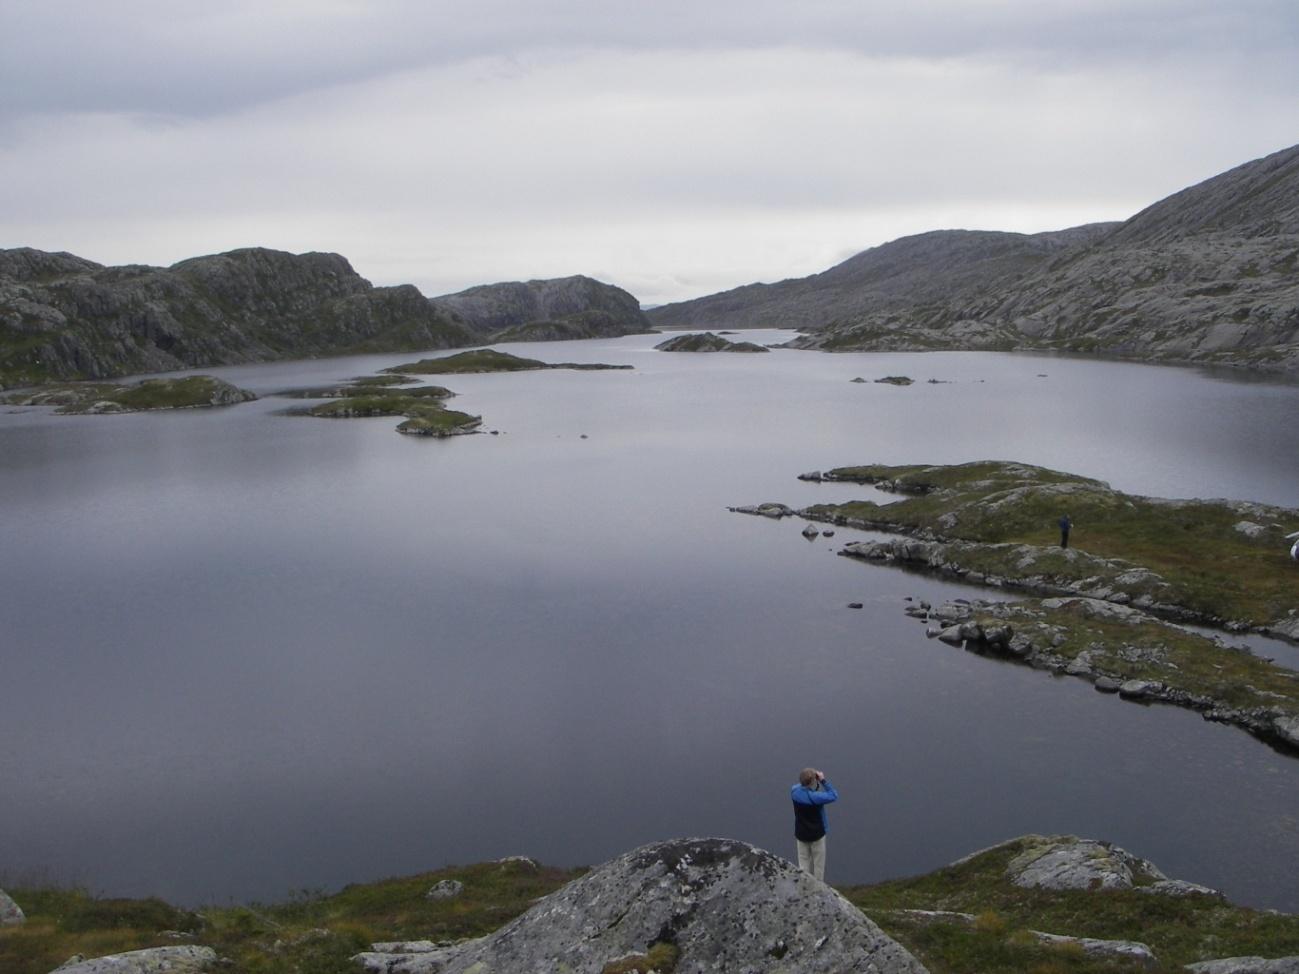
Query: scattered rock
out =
(155, 960)
(854, 605)
(724, 905)
(1107, 684)
(810, 531)
(447, 889)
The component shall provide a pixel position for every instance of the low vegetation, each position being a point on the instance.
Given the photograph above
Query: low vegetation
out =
(107, 397)
(313, 933)
(1224, 561)
(422, 406)
(1179, 930)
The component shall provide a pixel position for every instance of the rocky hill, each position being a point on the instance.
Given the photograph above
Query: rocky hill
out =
(920, 270)
(562, 308)
(1208, 275)
(63, 317)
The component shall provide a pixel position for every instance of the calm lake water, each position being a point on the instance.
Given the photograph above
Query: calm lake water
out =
(245, 653)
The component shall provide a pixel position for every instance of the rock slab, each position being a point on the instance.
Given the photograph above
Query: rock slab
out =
(155, 960)
(725, 905)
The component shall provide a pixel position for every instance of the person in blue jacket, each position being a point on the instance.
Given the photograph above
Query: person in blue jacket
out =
(812, 793)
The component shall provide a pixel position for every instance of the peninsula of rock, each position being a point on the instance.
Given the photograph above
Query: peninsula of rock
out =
(1110, 606)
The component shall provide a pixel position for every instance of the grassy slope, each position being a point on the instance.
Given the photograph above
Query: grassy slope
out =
(1216, 570)
(314, 934)
(1179, 931)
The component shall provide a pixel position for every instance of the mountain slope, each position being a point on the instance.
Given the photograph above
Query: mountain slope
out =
(62, 317)
(907, 272)
(1208, 275)
(561, 308)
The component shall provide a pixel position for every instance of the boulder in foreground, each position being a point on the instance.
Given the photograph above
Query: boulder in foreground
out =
(701, 904)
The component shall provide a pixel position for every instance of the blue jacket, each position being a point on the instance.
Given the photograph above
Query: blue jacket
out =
(809, 810)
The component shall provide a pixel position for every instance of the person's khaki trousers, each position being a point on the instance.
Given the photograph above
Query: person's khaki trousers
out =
(811, 857)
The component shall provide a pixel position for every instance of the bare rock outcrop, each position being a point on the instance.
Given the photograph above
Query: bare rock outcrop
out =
(548, 310)
(62, 317)
(155, 960)
(713, 904)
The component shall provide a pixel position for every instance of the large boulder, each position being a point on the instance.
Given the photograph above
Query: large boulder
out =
(716, 904)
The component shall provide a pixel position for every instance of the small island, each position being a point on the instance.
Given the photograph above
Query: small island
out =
(707, 342)
(489, 360)
(895, 380)
(422, 406)
(1108, 609)
(100, 398)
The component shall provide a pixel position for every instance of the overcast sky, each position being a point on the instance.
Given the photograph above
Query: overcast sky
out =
(671, 147)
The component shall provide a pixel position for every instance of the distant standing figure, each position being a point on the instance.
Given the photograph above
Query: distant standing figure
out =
(812, 793)
(1065, 525)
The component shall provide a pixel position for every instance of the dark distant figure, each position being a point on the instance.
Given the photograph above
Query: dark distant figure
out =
(811, 795)
(1065, 525)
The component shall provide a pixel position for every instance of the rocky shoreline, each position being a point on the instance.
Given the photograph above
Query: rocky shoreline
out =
(1092, 615)
(1031, 633)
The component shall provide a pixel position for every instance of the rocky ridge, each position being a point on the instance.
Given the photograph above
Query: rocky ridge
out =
(62, 317)
(1208, 276)
(916, 271)
(549, 310)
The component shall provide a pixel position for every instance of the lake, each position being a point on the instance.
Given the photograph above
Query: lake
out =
(246, 653)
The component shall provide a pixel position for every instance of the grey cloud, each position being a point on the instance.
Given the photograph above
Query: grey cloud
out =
(197, 58)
